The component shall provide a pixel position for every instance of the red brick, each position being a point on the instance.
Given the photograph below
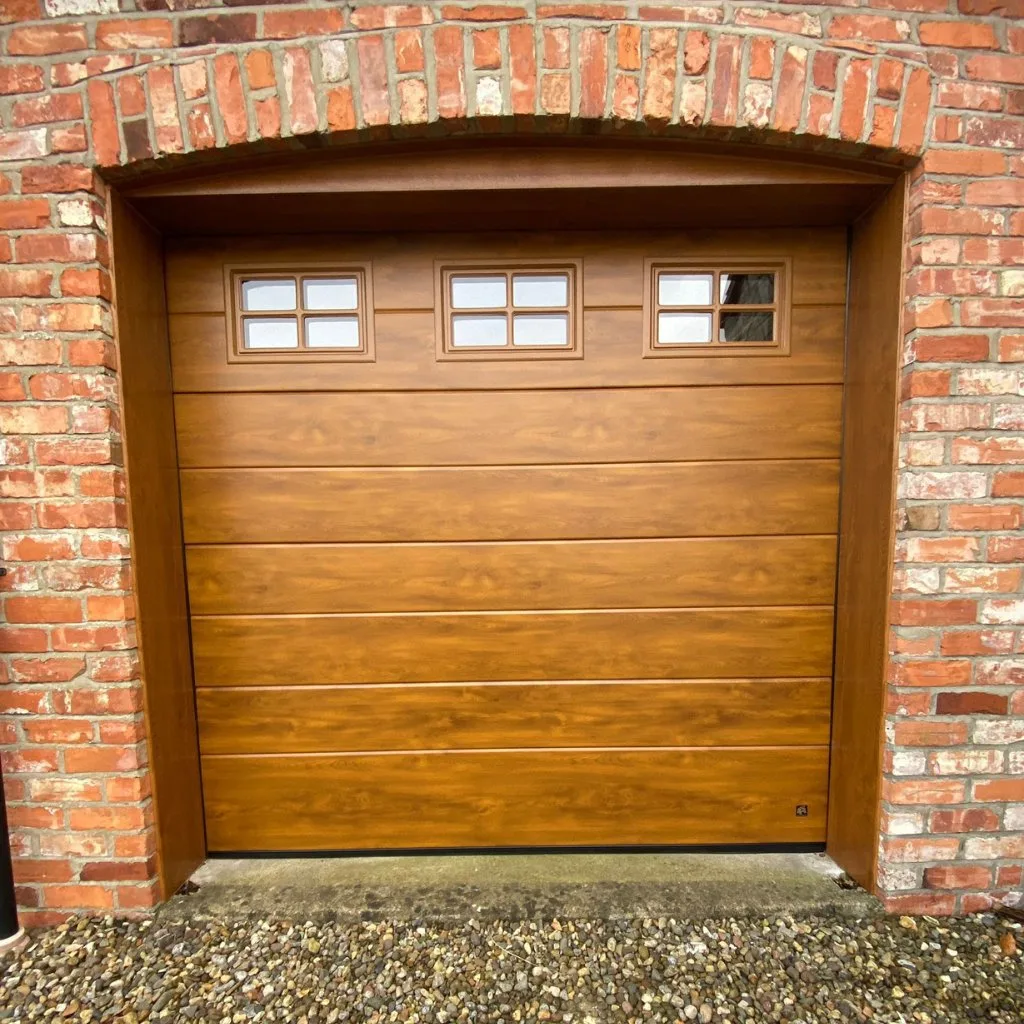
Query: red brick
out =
(199, 122)
(593, 65)
(971, 703)
(696, 52)
(916, 100)
(924, 792)
(555, 47)
(867, 27)
(938, 904)
(230, 97)
(968, 819)
(915, 733)
(958, 35)
(40, 40)
(762, 58)
(91, 897)
(449, 71)
(42, 609)
(390, 15)
(523, 68)
(47, 109)
(556, 93)
(487, 48)
(217, 28)
(24, 213)
(1000, 791)
(291, 24)
(1008, 485)
(103, 121)
(20, 78)
(910, 612)
(826, 65)
(792, 82)
(996, 69)
(373, 77)
(950, 876)
(134, 34)
(29, 870)
(117, 871)
(726, 83)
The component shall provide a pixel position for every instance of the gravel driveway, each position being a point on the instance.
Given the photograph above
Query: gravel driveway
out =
(592, 972)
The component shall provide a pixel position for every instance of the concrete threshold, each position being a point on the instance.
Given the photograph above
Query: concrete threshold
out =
(517, 886)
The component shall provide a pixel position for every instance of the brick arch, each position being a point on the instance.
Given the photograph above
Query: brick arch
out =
(376, 79)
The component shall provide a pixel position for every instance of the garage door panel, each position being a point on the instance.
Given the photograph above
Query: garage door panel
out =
(534, 503)
(705, 572)
(440, 716)
(687, 643)
(592, 797)
(406, 358)
(403, 268)
(509, 427)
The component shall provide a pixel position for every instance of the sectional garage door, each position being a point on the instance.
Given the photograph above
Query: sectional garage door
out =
(529, 564)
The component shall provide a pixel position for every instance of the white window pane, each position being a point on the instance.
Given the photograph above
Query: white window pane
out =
(478, 331)
(271, 332)
(478, 292)
(541, 329)
(264, 294)
(684, 328)
(539, 290)
(684, 289)
(330, 293)
(332, 331)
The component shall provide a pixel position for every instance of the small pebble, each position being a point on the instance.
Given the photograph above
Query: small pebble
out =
(808, 970)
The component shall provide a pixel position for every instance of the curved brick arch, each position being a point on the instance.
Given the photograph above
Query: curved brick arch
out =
(505, 74)
(86, 87)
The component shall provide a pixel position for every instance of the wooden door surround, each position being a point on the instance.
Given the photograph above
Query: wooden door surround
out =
(579, 185)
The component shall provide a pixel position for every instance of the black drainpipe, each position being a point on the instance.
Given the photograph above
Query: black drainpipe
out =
(10, 932)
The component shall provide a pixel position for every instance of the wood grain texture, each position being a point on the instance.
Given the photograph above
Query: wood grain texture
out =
(509, 427)
(866, 543)
(689, 643)
(705, 572)
(498, 166)
(287, 720)
(590, 797)
(530, 503)
(406, 359)
(157, 558)
(403, 273)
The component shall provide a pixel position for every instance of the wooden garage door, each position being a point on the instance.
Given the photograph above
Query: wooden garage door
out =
(475, 602)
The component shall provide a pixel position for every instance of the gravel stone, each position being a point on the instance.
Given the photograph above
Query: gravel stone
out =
(802, 970)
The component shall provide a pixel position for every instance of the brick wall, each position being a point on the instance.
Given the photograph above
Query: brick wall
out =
(125, 85)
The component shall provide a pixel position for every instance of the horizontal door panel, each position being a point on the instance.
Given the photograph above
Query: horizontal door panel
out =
(689, 643)
(763, 712)
(695, 499)
(508, 427)
(704, 572)
(525, 798)
(403, 265)
(406, 358)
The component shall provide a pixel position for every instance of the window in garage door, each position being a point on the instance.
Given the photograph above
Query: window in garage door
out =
(448, 602)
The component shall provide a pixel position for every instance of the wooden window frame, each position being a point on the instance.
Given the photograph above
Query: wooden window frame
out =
(444, 270)
(781, 308)
(236, 273)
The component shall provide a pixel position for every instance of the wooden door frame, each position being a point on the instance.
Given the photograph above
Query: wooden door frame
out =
(866, 532)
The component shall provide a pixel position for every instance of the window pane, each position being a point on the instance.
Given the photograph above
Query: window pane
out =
(271, 332)
(684, 328)
(330, 293)
(478, 292)
(541, 329)
(332, 331)
(746, 327)
(265, 295)
(684, 289)
(539, 290)
(747, 289)
(479, 331)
